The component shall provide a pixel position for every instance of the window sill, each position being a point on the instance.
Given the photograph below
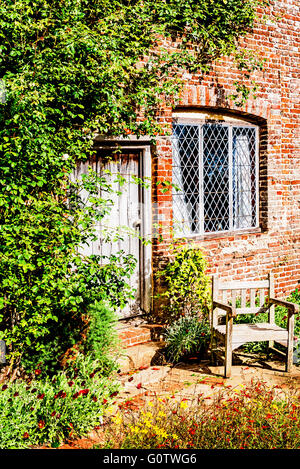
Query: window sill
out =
(221, 235)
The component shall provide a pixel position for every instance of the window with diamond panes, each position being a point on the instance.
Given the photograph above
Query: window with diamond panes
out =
(215, 178)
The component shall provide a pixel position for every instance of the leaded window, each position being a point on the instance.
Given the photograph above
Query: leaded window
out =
(215, 177)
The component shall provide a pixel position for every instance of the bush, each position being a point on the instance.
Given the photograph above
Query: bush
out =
(185, 284)
(251, 417)
(56, 337)
(46, 284)
(188, 335)
(46, 411)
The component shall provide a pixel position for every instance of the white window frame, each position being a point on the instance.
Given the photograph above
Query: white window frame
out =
(230, 125)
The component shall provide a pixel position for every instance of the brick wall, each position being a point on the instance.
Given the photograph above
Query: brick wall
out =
(276, 246)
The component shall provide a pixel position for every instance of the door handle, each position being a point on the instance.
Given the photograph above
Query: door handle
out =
(137, 223)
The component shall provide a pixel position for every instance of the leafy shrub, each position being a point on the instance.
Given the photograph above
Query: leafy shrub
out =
(67, 327)
(188, 335)
(50, 410)
(251, 417)
(185, 284)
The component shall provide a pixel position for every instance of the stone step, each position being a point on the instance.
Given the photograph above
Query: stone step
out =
(134, 335)
(141, 355)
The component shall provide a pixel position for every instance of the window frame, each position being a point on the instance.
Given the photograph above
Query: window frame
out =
(230, 124)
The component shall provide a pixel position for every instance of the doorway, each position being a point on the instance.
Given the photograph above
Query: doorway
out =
(128, 223)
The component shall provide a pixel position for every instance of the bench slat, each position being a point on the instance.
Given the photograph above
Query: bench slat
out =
(244, 285)
(260, 332)
(255, 310)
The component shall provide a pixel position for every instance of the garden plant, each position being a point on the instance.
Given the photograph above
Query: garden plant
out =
(47, 411)
(184, 302)
(184, 284)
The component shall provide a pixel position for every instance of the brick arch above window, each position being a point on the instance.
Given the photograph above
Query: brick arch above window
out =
(202, 96)
(215, 113)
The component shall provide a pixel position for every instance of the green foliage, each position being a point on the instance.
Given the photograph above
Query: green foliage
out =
(48, 411)
(71, 70)
(185, 284)
(186, 336)
(102, 340)
(81, 64)
(47, 285)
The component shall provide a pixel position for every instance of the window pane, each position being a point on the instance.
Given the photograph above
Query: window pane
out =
(215, 177)
(244, 177)
(185, 144)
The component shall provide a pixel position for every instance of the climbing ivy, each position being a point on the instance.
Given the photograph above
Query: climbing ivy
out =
(72, 69)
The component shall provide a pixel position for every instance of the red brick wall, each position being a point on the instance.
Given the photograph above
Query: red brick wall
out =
(276, 109)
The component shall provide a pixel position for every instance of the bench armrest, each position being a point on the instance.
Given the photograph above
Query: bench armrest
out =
(292, 307)
(230, 310)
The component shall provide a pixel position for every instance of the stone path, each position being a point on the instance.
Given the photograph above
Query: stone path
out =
(190, 380)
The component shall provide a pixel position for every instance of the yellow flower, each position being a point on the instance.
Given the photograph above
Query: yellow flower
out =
(109, 410)
(161, 414)
(134, 429)
(150, 404)
(183, 404)
(174, 436)
(117, 419)
(160, 432)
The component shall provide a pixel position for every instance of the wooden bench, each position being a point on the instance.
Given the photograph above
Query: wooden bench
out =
(248, 297)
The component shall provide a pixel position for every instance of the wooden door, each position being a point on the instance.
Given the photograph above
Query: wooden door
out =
(122, 228)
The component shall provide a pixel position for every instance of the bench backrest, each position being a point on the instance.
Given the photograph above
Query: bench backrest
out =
(248, 297)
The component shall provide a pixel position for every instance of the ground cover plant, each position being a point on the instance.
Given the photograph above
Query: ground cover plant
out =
(251, 416)
(47, 411)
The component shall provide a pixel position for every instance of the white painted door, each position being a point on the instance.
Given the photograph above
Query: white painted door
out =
(121, 229)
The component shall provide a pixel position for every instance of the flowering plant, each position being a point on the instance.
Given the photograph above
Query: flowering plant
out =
(48, 411)
(251, 416)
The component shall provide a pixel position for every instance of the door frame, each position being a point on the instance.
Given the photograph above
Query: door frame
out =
(143, 146)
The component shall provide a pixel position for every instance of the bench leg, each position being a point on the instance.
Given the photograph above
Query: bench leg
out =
(290, 343)
(212, 345)
(228, 361)
(270, 346)
(228, 347)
